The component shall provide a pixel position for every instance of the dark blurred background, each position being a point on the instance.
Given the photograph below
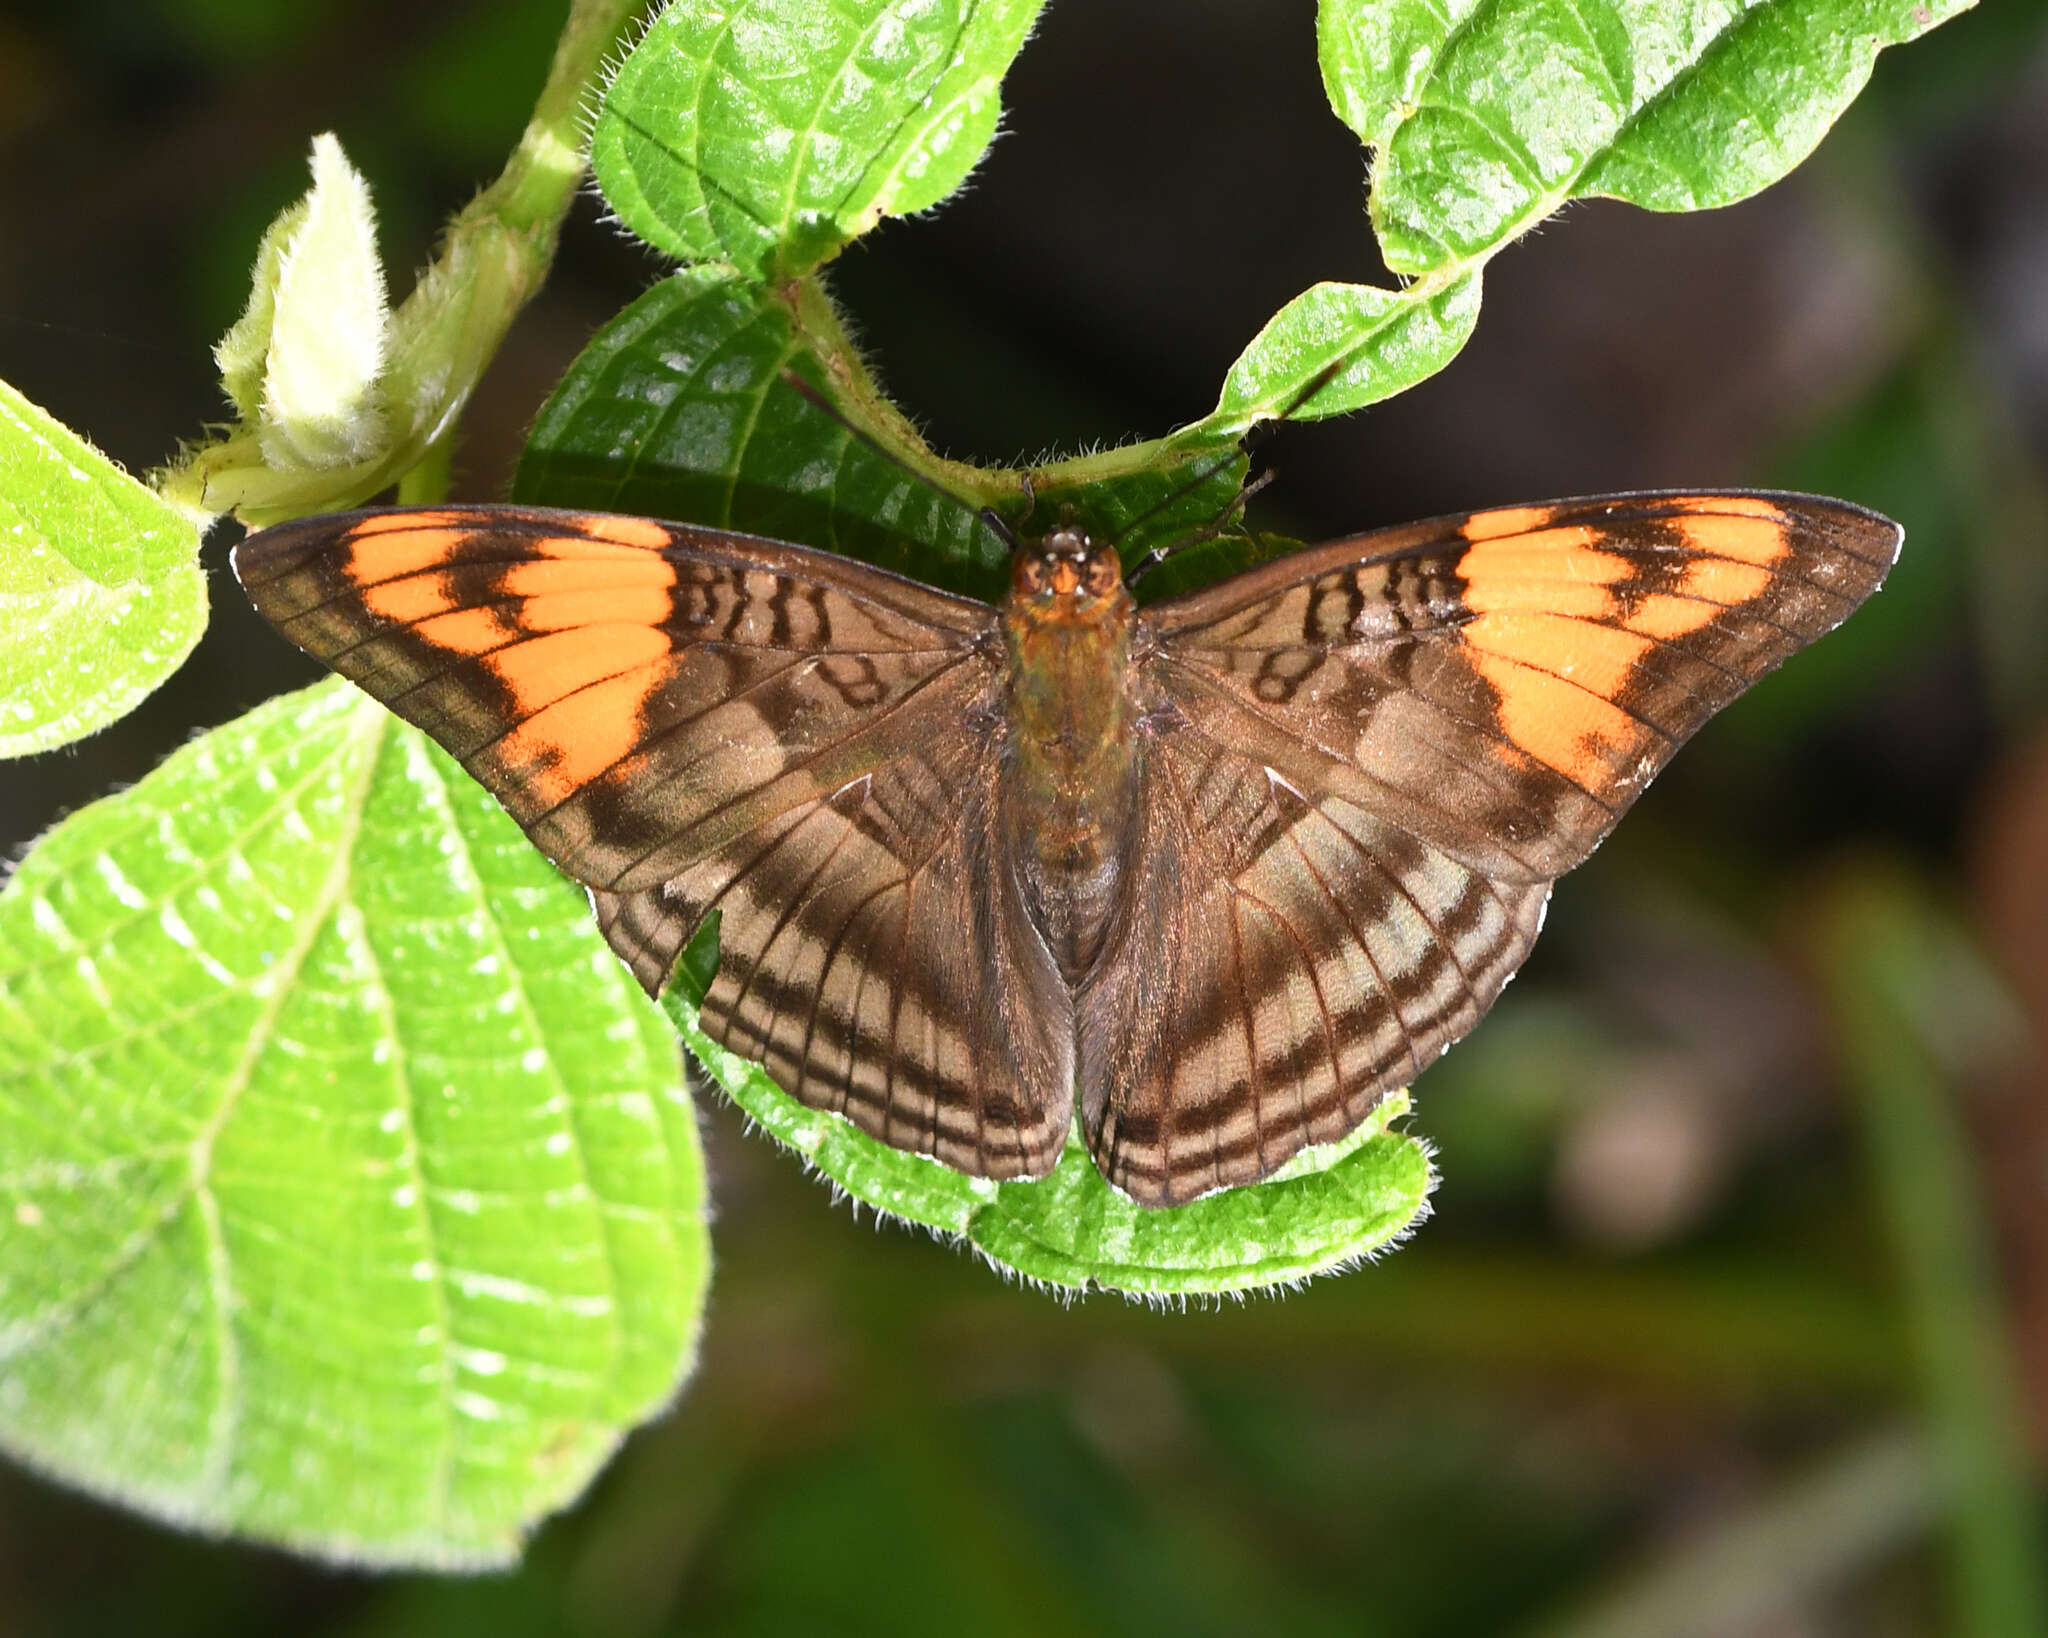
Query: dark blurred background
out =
(1732, 1317)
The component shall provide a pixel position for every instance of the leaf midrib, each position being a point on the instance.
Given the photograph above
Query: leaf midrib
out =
(366, 737)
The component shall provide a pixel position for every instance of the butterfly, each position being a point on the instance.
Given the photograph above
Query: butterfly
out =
(1215, 874)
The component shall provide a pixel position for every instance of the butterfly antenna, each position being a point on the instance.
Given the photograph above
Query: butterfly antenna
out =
(1209, 531)
(1159, 554)
(1222, 460)
(987, 515)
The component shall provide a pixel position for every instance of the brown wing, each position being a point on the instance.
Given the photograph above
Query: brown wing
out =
(634, 692)
(875, 955)
(1405, 737)
(684, 720)
(1277, 966)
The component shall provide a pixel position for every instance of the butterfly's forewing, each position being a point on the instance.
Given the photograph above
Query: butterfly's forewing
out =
(1406, 736)
(634, 692)
(1509, 681)
(685, 719)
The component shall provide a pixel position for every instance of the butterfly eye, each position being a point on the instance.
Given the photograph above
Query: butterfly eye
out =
(1027, 577)
(1102, 572)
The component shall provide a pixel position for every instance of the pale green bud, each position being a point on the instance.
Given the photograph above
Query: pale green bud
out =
(319, 320)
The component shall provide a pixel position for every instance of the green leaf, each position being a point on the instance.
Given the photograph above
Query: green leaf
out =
(767, 133)
(101, 594)
(350, 1198)
(1487, 117)
(1325, 1210)
(1339, 347)
(679, 409)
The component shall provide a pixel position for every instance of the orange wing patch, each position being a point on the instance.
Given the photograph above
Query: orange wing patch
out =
(1724, 581)
(1600, 659)
(1506, 520)
(553, 596)
(1747, 538)
(1556, 690)
(1538, 639)
(1752, 506)
(562, 747)
(1711, 585)
(398, 574)
(468, 631)
(1560, 570)
(570, 628)
(542, 670)
(643, 534)
(407, 521)
(1564, 617)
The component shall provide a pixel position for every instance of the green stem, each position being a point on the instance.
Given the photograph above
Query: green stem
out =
(539, 181)
(499, 248)
(823, 333)
(427, 482)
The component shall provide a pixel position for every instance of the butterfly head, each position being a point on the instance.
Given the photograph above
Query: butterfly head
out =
(1066, 574)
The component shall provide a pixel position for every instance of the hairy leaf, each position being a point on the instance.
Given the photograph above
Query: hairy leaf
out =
(767, 133)
(1487, 115)
(1339, 347)
(349, 1197)
(1325, 1210)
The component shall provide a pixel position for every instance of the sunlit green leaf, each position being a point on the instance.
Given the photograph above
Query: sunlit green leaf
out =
(349, 1197)
(1486, 117)
(1339, 347)
(766, 133)
(101, 594)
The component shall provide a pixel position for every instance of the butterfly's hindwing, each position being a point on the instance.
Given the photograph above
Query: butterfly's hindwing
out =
(875, 956)
(1279, 965)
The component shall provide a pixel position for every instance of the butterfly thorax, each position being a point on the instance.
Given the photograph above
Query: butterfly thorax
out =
(1072, 770)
